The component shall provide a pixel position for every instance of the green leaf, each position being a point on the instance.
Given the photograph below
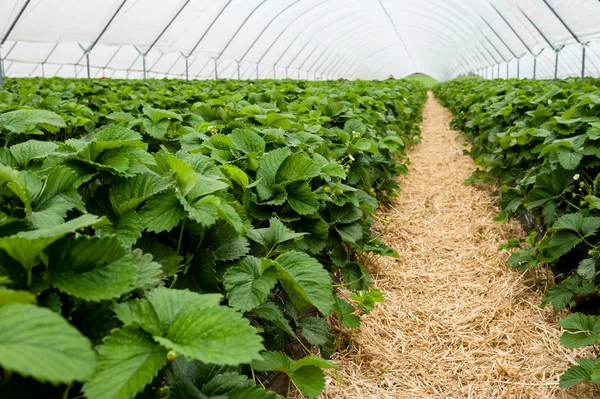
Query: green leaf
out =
(32, 149)
(587, 268)
(127, 229)
(350, 232)
(127, 194)
(270, 312)
(275, 234)
(160, 114)
(577, 374)
(309, 380)
(301, 198)
(162, 212)
(129, 360)
(316, 331)
(25, 120)
(39, 343)
(25, 246)
(216, 335)
(268, 165)
(247, 284)
(296, 167)
(305, 281)
(205, 211)
(346, 313)
(562, 242)
(559, 296)
(157, 130)
(10, 297)
(247, 141)
(120, 117)
(251, 393)
(98, 269)
(185, 175)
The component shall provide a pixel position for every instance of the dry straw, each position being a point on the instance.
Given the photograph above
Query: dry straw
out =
(456, 323)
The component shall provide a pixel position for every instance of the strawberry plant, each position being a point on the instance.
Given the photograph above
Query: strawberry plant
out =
(187, 239)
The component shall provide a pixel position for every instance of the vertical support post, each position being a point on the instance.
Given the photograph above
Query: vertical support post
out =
(144, 65)
(534, 66)
(519, 68)
(187, 68)
(87, 62)
(583, 47)
(238, 70)
(286, 73)
(507, 71)
(556, 63)
(43, 72)
(216, 69)
(257, 76)
(2, 70)
(498, 77)
(274, 73)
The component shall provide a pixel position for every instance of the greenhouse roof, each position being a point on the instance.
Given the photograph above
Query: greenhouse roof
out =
(315, 39)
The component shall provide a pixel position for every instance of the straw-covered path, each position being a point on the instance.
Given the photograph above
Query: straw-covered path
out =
(456, 322)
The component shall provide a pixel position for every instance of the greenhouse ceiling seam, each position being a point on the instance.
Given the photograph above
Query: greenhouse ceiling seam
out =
(313, 22)
(512, 29)
(287, 27)
(265, 29)
(397, 34)
(209, 28)
(499, 37)
(240, 28)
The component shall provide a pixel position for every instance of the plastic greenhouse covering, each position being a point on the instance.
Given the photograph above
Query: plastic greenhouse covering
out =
(307, 39)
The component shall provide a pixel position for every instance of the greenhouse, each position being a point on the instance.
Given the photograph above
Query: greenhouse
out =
(286, 199)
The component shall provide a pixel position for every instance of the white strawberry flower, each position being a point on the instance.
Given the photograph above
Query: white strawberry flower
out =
(576, 177)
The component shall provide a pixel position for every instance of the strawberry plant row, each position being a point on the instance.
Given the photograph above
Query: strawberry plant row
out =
(190, 239)
(540, 142)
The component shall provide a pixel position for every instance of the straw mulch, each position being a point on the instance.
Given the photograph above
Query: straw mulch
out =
(456, 322)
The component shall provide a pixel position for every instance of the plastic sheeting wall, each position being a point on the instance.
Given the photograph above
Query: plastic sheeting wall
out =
(308, 39)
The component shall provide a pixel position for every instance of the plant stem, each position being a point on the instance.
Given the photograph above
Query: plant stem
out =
(180, 236)
(289, 388)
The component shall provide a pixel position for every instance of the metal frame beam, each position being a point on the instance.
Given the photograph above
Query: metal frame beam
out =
(397, 33)
(209, 28)
(499, 38)
(8, 32)
(240, 28)
(562, 22)
(512, 29)
(265, 29)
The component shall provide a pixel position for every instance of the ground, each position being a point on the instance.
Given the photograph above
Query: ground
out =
(456, 322)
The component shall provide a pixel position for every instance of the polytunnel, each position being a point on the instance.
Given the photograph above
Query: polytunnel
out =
(306, 39)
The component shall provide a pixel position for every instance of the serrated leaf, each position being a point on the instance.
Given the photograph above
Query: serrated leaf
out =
(26, 245)
(129, 360)
(562, 242)
(24, 120)
(559, 296)
(98, 269)
(32, 149)
(577, 374)
(568, 159)
(301, 198)
(127, 229)
(127, 194)
(157, 115)
(316, 331)
(269, 311)
(305, 281)
(247, 141)
(247, 284)
(346, 314)
(30, 334)
(587, 268)
(350, 232)
(204, 211)
(268, 165)
(157, 130)
(216, 335)
(275, 234)
(296, 167)
(162, 212)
